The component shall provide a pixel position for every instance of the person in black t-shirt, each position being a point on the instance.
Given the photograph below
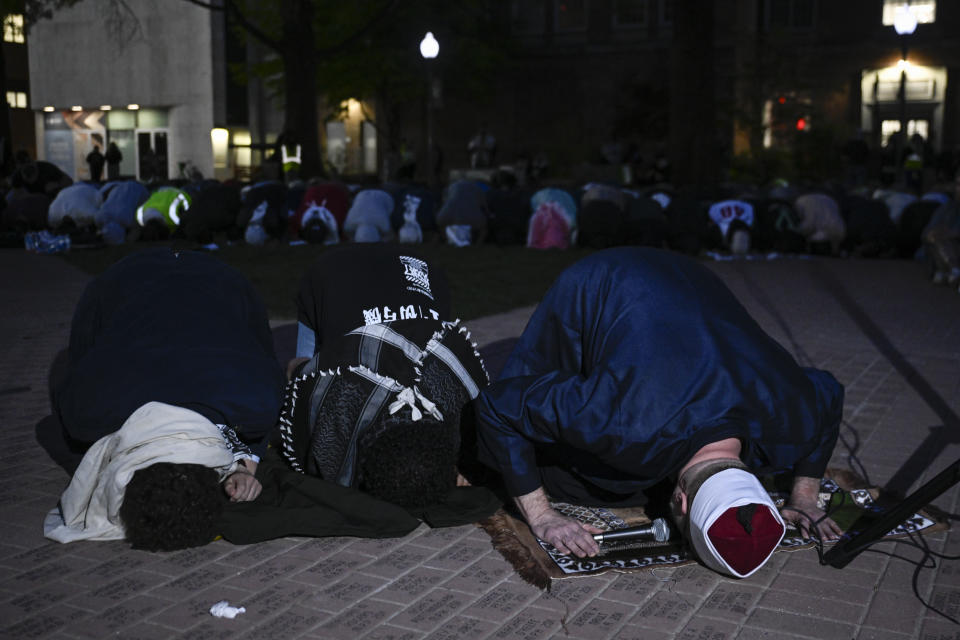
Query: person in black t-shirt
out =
(376, 395)
(362, 284)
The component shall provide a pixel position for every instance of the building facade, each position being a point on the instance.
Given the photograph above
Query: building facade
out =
(155, 82)
(583, 83)
(17, 85)
(588, 79)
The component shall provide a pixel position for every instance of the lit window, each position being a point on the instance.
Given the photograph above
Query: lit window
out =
(630, 13)
(17, 99)
(925, 11)
(790, 14)
(13, 28)
(570, 15)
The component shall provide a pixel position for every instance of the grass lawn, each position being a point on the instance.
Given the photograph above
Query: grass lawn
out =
(484, 279)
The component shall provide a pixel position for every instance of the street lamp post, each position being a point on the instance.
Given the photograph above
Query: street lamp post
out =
(904, 23)
(429, 48)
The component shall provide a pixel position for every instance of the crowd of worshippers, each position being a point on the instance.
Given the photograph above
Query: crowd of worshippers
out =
(638, 375)
(828, 220)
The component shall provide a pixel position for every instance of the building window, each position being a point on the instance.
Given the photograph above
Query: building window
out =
(666, 13)
(13, 28)
(17, 99)
(570, 15)
(790, 14)
(925, 11)
(630, 13)
(528, 16)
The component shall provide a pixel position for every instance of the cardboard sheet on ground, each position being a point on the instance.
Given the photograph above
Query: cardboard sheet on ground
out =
(843, 495)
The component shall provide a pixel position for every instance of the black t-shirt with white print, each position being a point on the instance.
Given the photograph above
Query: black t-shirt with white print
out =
(355, 285)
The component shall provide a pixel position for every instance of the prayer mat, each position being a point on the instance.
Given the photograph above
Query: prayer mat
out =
(843, 495)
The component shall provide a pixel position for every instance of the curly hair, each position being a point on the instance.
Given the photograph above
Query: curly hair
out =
(411, 464)
(169, 506)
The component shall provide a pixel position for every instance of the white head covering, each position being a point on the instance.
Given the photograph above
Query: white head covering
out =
(720, 492)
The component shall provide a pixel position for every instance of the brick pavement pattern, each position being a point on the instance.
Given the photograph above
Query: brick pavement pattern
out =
(887, 334)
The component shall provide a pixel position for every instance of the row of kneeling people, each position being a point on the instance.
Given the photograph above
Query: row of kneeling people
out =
(737, 218)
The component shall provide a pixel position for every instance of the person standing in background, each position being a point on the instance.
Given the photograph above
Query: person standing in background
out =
(95, 161)
(113, 158)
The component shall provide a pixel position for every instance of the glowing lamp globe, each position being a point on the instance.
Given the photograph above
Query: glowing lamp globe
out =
(429, 47)
(904, 22)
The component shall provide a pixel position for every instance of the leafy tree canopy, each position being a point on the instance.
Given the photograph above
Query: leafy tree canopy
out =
(369, 49)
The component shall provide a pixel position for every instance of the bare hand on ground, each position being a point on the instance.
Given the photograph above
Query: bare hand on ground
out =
(801, 510)
(803, 516)
(567, 535)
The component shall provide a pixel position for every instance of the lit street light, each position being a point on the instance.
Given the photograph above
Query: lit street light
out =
(429, 48)
(904, 23)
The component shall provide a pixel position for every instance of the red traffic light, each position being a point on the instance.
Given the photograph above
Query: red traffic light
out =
(801, 124)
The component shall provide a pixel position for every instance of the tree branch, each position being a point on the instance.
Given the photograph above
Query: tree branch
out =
(360, 33)
(206, 5)
(121, 22)
(232, 10)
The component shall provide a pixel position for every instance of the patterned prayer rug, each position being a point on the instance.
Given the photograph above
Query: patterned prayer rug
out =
(842, 494)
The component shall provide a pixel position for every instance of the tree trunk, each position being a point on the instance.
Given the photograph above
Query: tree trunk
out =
(694, 146)
(300, 83)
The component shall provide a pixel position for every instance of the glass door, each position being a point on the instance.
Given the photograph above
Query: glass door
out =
(152, 155)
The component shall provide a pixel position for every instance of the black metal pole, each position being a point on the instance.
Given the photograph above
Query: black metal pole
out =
(430, 123)
(902, 137)
(875, 526)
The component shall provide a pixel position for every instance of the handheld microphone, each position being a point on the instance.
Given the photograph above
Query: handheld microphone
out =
(658, 531)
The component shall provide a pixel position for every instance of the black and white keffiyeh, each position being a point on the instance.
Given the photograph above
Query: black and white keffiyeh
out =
(423, 370)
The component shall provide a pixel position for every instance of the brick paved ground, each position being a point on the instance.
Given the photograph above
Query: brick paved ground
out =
(889, 336)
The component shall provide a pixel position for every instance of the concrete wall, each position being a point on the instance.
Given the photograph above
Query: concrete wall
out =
(75, 60)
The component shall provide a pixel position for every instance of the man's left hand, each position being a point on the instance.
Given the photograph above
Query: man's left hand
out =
(808, 518)
(242, 486)
(802, 511)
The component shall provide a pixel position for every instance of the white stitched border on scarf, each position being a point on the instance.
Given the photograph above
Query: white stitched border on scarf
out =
(381, 381)
(436, 347)
(391, 337)
(286, 420)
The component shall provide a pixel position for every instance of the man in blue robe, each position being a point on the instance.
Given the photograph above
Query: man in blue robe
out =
(640, 365)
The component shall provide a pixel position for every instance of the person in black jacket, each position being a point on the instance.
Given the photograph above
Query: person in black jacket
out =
(113, 158)
(171, 393)
(95, 161)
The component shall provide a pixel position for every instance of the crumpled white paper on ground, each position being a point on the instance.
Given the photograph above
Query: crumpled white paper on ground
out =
(223, 610)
